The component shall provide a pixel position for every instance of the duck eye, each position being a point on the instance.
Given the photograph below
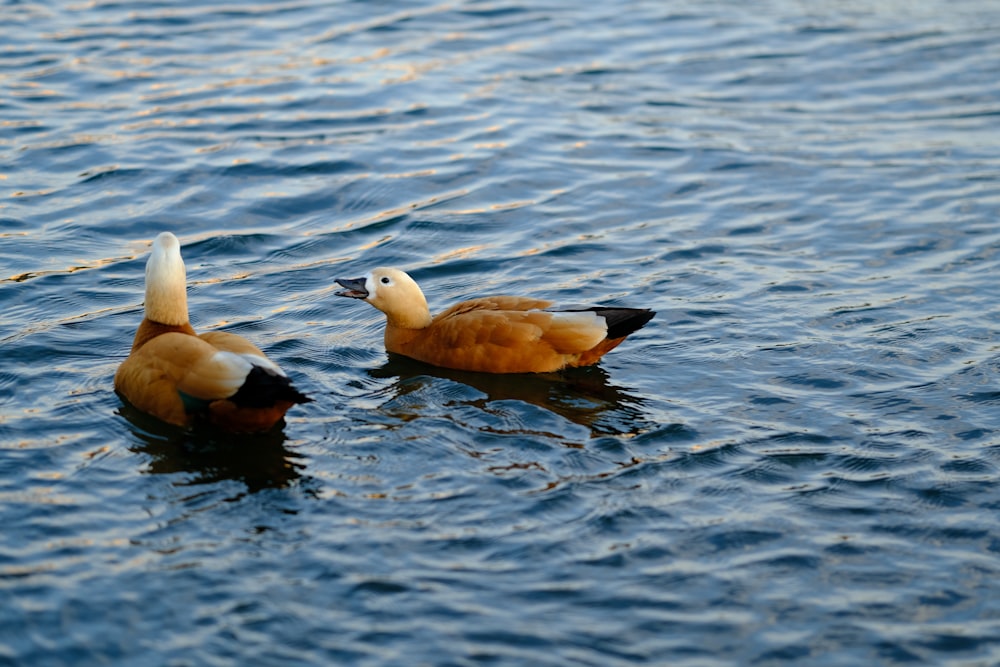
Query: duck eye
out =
(385, 280)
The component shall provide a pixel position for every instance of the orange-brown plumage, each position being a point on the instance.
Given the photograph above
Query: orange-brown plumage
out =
(179, 376)
(498, 334)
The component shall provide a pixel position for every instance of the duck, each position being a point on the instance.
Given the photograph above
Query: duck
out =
(493, 334)
(182, 377)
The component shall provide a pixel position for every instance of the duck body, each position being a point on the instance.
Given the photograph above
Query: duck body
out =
(498, 334)
(181, 377)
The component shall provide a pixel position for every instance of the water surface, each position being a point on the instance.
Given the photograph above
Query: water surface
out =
(794, 463)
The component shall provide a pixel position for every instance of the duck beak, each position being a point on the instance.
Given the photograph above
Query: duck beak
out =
(354, 288)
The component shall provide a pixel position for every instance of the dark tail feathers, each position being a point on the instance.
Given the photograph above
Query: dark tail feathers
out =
(263, 388)
(621, 321)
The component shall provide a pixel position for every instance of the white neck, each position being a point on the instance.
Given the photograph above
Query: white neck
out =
(166, 282)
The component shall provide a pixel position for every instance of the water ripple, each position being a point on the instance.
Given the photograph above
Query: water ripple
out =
(788, 465)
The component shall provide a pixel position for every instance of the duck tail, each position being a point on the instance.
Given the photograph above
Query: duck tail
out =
(263, 388)
(623, 321)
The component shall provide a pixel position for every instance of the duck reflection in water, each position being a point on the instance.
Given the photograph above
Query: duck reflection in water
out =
(584, 396)
(208, 455)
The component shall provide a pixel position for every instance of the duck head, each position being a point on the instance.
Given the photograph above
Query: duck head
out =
(394, 293)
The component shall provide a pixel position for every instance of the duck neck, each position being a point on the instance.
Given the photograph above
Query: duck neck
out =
(415, 316)
(149, 330)
(166, 290)
(397, 338)
(413, 322)
(404, 326)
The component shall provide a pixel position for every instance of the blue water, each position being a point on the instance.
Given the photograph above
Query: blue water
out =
(795, 463)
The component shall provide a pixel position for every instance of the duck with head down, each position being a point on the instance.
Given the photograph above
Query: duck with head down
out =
(498, 334)
(180, 376)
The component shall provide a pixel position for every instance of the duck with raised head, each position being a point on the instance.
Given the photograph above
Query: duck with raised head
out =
(494, 334)
(182, 377)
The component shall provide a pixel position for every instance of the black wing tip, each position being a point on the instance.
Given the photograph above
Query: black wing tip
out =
(621, 321)
(295, 396)
(262, 388)
(624, 321)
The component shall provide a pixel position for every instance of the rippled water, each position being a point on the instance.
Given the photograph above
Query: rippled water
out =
(794, 463)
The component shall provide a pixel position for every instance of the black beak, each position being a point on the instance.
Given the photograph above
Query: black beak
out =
(353, 288)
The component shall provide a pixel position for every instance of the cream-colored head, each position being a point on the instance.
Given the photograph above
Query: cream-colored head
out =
(394, 293)
(166, 282)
